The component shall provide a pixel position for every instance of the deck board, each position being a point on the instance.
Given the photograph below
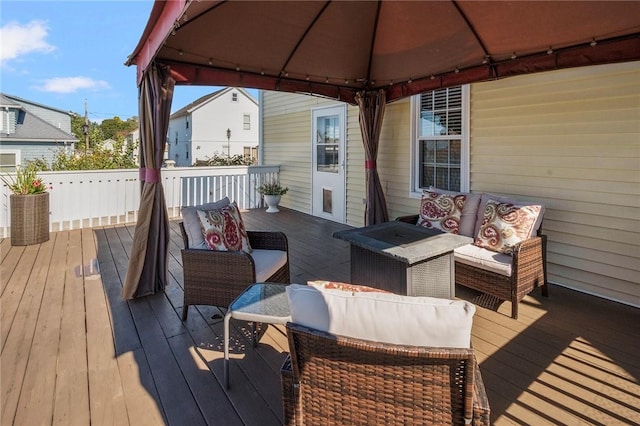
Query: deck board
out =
(75, 352)
(40, 374)
(21, 309)
(106, 395)
(71, 391)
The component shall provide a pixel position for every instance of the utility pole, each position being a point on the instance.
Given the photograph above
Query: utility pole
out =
(85, 129)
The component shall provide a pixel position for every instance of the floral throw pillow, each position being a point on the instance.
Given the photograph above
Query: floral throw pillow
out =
(441, 211)
(505, 225)
(223, 229)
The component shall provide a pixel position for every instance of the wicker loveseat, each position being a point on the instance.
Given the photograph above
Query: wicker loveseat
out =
(216, 278)
(330, 378)
(505, 276)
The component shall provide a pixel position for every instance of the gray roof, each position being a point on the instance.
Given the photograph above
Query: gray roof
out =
(30, 127)
(18, 100)
(204, 99)
(186, 109)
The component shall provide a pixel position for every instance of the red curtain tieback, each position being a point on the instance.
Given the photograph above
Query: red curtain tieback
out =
(149, 175)
(370, 164)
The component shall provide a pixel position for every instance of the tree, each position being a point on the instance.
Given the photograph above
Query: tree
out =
(112, 127)
(95, 132)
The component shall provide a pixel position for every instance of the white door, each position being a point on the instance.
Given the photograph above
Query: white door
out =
(328, 139)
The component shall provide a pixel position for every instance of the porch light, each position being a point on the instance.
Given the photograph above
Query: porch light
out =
(85, 132)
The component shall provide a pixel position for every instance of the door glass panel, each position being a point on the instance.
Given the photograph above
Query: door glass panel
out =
(328, 144)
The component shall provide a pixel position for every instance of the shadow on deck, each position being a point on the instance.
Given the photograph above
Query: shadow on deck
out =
(74, 352)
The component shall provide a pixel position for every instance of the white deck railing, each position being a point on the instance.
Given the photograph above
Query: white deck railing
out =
(82, 199)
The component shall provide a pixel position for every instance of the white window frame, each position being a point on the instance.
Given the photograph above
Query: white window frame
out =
(414, 182)
(246, 121)
(9, 120)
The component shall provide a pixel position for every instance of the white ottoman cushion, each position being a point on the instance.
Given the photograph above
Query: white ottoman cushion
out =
(383, 317)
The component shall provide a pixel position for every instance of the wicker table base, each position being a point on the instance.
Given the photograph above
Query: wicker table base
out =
(403, 258)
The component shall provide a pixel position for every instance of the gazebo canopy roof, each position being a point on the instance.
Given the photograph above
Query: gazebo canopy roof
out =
(337, 48)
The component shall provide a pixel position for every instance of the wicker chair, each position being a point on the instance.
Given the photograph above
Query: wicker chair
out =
(217, 277)
(528, 272)
(330, 379)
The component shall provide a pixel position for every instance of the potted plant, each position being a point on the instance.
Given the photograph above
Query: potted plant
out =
(29, 203)
(272, 191)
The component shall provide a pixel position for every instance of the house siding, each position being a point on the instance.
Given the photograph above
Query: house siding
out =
(287, 132)
(569, 139)
(29, 151)
(287, 142)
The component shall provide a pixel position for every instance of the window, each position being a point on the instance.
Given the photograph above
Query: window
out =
(234, 97)
(246, 122)
(8, 122)
(9, 160)
(250, 153)
(187, 122)
(328, 143)
(441, 142)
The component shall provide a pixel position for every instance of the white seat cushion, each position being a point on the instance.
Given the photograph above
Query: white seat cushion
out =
(482, 258)
(383, 317)
(268, 262)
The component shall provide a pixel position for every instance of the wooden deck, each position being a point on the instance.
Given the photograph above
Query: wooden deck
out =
(75, 353)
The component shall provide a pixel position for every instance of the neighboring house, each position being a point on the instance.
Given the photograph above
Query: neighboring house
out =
(133, 139)
(568, 138)
(109, 144)
(223, 122)
(30, 131)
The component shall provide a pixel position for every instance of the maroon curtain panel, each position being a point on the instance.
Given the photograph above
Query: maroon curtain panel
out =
(372, 105)
(147, 271)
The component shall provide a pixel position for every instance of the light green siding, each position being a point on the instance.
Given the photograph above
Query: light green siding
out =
(571, 139)
(568, 138)
(287, 142)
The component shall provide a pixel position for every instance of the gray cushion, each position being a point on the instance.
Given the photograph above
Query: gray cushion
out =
(469, 211)
(268, 262)
(192, 225)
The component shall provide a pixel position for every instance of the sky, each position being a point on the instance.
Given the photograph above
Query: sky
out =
(63, 53)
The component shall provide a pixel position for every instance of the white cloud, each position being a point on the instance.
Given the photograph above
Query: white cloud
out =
(17, 40)
(72, 84)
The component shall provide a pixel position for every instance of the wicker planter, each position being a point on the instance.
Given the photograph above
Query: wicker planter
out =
(29, 219)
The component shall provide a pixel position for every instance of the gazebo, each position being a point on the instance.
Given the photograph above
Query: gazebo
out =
(367, 53)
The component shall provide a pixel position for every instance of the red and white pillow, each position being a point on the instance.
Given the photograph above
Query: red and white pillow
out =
(504, 225)
(336, 285)
(223, 229)
(441, 211)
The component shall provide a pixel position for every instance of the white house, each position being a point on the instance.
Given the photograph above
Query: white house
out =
(567, 138)
(223, 123)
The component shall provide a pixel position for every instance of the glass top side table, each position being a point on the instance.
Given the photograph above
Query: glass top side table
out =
(260, 303)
